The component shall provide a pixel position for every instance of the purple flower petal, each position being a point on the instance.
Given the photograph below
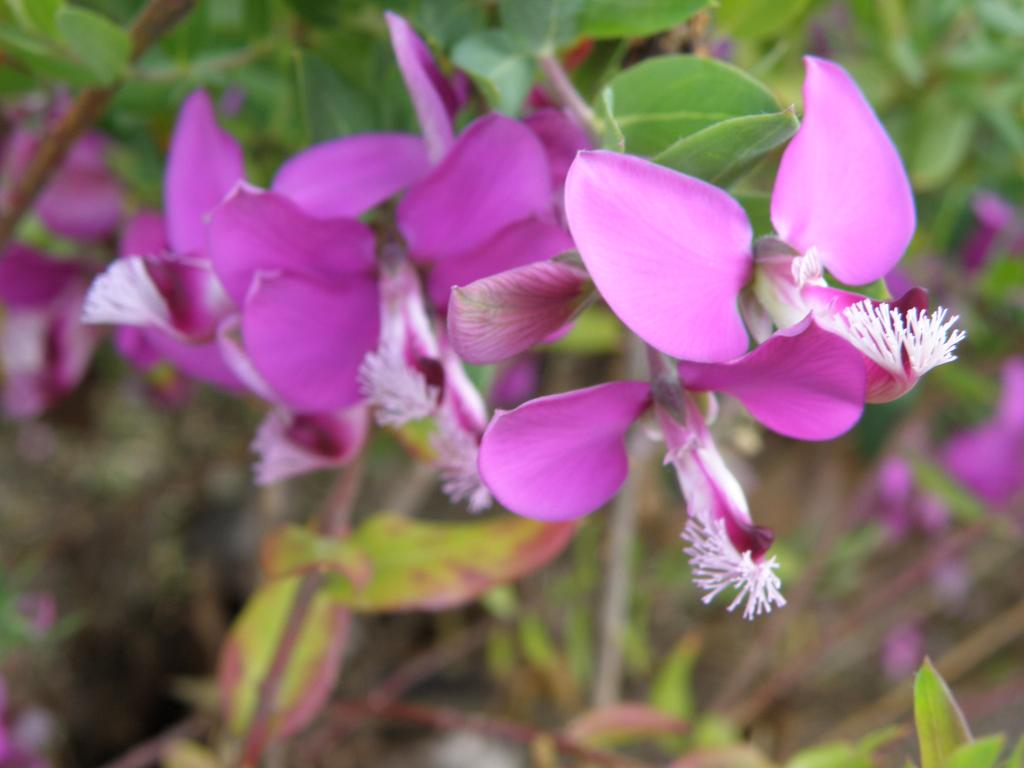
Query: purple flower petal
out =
(347, 177)
(1010, 411)
(203, 165)
(496, 174)
(293, 444)
(177, 294)
(841, 187)
(83, 200)
(44, 352)
(203, 362)
(500, 316)
(803, 382)
(260, 231)
(307, 339)
(562, 456)
(29, 278)
(144, 235)
(989, 459)
(518, 244)
(431, 95)
(669, 253)
(562, 138)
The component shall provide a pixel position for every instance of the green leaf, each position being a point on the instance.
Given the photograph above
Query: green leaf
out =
(982, 753)
(541, 26)
(330, 106)
(739, 756)
(874, 741)
(1017, 756)
(391, 563)
(722, 152)
(38, 14)
(830, 756)
(662, 100)
(1001, 16)
(930, 477)
(625, 723)
(941, 727)
(672, 688)
(943, 136)
(758, 207)
(595, 332)
(249, 651)
(759, 19)
(500, 70)
(188, 754)
(445, 21)
(634, 18)
(100, 45)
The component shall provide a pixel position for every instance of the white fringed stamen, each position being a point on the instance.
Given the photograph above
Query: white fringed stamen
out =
(125, 294)
(881, 333)
(717, 566)
(456, 463)
(807, 268)
(398, 392)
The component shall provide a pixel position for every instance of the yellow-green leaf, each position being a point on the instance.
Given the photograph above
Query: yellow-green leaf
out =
(392, 563)
(248, 653)
(941, 727)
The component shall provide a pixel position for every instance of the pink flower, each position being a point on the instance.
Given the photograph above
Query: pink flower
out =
(998, 226)
(44, 349)
(162, 290)
(83, 199)
(673, 256)
(414, 375)
(563, 456)
(989, 458)
(487, 204)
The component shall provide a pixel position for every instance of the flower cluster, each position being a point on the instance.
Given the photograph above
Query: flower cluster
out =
(307, 296)
(44, 350)
(373, 267)
(675, 259)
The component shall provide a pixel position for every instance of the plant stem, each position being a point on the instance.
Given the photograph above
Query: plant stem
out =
(335, 522)
(449, 719)
(152, 23)
(567, 94)
(619, 556)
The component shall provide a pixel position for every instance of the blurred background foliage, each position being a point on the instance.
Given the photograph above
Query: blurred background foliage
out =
(142, 525)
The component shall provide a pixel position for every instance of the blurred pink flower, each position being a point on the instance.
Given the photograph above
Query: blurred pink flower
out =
(488, 203)
(997, 225)
(989, 458)
(902, 651)
(83, 199)
(44, 349)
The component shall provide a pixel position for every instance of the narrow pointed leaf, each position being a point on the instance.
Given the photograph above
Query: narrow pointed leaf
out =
(724, 151)
(250, 648)
(502, 71)
(391, 563)
(982, 753)
(624, 723)
(636, 18)
(663, 99)
(102, 47)
(840, 755)
(724, 757)
(941, 727)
